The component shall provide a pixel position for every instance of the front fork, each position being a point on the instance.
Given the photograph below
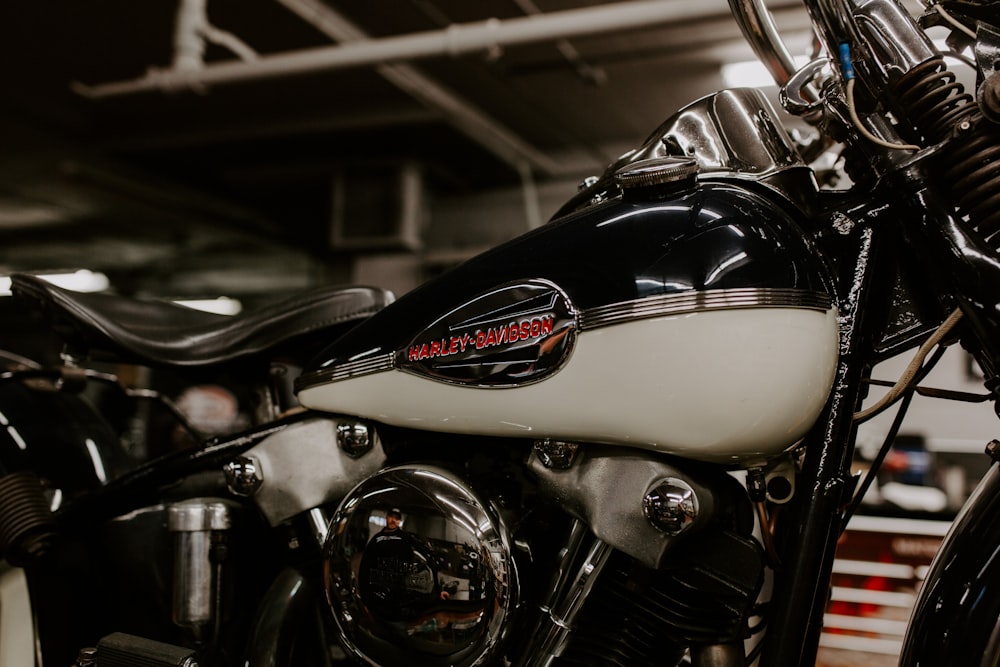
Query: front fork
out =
(963, 267)
(955, 619)
(815, 521)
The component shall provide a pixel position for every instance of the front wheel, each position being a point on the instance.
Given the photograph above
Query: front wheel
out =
(956, 620)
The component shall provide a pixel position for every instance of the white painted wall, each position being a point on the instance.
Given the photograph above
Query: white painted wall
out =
(949, 425)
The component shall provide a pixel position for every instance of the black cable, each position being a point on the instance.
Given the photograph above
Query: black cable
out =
(890, 437)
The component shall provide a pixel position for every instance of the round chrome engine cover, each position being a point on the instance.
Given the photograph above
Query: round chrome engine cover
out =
(418, 570)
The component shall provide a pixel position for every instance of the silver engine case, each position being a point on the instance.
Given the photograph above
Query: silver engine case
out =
(418, 568)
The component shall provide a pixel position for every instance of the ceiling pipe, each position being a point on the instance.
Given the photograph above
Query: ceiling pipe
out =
(590, 74)
(470, 120)
(189, 47)
(192, 29)
(452, 41)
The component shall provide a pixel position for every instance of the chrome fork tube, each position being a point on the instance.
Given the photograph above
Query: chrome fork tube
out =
(564, 572)
(570, 590)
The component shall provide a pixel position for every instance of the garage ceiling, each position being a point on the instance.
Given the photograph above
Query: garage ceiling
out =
(226, 155)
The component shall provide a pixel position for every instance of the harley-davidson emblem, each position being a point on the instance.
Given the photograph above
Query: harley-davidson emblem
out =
(513, 335)
(510, 333)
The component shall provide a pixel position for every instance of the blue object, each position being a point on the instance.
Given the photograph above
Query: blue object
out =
(846, 68)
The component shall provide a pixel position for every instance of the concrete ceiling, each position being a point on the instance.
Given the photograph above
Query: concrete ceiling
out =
(228, 161)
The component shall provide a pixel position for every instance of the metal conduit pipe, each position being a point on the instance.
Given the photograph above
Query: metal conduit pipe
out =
(462, 114)
(191, 29)
(454, 40)
(189, 47)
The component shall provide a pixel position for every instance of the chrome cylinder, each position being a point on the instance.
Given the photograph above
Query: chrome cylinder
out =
(198, 526)
(572, 548)
(553, 636)
(894, 38)
(759, 29)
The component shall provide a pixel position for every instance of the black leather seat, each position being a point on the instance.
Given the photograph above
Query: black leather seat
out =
(166, 334)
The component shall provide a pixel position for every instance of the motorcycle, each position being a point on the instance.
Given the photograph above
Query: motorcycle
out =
(623, 438)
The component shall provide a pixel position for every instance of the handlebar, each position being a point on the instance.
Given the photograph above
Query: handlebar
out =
(758, 28)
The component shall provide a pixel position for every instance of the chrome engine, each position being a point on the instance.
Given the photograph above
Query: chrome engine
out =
(422, 565)
(417, 565)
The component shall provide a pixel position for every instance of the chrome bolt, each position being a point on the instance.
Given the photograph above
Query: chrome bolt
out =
(556, 454)
(993, 450)
(243, 476)
(354, 438)
(671, 506)
(586, 183)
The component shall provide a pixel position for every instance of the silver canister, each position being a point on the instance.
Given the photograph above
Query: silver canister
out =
(198, 526)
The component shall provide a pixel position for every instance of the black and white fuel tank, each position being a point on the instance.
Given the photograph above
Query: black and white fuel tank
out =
(686, 315)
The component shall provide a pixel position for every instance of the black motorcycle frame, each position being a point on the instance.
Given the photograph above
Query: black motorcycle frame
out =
(967, 274)
(872, 261)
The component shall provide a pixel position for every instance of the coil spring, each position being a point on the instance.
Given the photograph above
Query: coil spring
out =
(26, 524)
(939, 109)
(974, 172)
(933, 100)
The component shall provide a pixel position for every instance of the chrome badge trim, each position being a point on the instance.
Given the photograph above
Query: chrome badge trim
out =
(514, 335)
(691, 302)
(384, 362)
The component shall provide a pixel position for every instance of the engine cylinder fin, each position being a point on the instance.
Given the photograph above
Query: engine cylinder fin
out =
(640, 616)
